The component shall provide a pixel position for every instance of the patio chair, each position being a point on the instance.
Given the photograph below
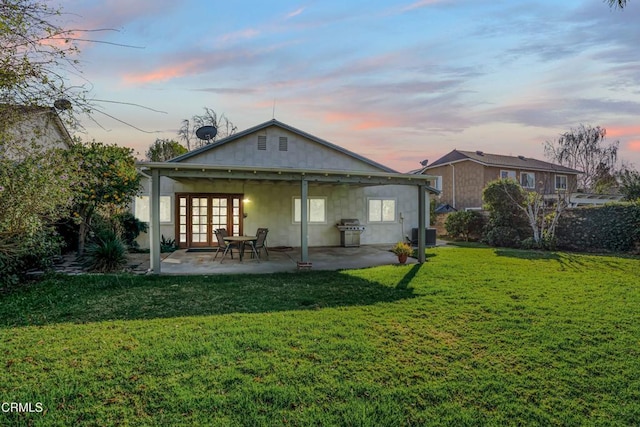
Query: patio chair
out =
(224, 246)
(260, 242)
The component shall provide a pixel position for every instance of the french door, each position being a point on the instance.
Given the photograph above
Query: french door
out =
(199, 215)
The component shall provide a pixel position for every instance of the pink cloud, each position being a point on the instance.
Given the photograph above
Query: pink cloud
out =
(359, 121)
(634, 146)
(165, 73)
(622, 131)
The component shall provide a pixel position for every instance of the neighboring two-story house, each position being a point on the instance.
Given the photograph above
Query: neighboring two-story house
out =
(464, 174)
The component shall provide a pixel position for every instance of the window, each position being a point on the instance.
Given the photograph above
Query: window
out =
(561, 182)
(142, 209)
(316, 209)
(382, 210)
(262, 142)
(283, 143)
(507, 174)
(527, 180)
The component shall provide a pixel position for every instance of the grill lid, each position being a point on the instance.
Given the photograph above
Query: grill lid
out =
(349, 221)
(350, 224)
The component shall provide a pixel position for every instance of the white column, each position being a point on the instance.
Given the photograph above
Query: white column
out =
(154, 222)
(304, 242)
(421, 223)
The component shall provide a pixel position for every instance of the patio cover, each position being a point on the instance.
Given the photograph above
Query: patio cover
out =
(155, 170)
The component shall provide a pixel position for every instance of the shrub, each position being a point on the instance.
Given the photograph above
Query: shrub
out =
(22, 253)
(167, 245)
(106, 253)
(402, 248)
(464, 224)
(502, 236)
(130, 228)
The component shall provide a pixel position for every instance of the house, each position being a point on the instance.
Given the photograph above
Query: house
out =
(462, 176)
(27, 128)
(273, 175)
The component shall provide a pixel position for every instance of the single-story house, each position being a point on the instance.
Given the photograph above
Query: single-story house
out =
(463, 175)
(275, 176)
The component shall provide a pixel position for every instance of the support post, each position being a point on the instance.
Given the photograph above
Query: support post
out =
(422, 229)
(304, 207)
(154, 222)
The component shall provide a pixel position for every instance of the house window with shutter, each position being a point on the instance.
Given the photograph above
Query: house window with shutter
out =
(262, 142)
(283, 144)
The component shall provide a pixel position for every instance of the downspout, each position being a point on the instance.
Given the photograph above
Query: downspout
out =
(453, 172)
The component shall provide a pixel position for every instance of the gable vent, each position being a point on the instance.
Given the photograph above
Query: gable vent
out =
(283, 144)
(262, 143)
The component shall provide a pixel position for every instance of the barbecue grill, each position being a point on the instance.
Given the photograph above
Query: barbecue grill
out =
(350, 230)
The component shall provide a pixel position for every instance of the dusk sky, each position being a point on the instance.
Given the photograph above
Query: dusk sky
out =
(395, 81)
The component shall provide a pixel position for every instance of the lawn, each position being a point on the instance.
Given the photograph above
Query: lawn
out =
(475, 336)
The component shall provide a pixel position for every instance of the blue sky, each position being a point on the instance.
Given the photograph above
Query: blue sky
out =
(395, 81)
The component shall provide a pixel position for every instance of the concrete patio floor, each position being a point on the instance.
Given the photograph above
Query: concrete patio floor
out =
(279, 260)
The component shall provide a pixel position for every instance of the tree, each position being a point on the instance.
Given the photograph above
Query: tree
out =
(506, 198)
(507, 225)
(108, 179)
(617, 3)
(584, 149)
(630, 184)
(36, 55)
(164, 149)
(187, 131)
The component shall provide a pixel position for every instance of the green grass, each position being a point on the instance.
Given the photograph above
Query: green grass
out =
(475, 336)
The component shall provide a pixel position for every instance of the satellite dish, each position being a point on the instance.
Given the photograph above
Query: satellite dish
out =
(207, 133)
(424, 162)
(62, 104)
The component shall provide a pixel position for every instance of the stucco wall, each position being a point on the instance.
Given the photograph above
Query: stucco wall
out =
(270, 204)
(301, 153)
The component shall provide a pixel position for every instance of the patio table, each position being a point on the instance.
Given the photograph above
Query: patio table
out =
(242, 240)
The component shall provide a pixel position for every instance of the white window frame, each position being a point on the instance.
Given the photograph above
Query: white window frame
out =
(533, 175)
(296, 208)
(510, 174)
(142, 209)
(566, 182)
(382, 201)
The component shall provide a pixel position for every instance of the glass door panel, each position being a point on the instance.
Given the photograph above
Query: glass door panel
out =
(199, 221)
(199, 215)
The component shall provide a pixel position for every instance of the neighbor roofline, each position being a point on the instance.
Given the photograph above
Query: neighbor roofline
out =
(570, 171)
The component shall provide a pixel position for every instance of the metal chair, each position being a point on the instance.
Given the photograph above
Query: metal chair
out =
(223, 245)
(260, 242)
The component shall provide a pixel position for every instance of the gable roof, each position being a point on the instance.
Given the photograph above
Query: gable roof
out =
(289, 128)
(498, 160)
(19, 111)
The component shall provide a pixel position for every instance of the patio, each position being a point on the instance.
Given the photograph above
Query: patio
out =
(280, 260)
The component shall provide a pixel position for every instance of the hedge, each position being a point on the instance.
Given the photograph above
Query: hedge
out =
(612, 227)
